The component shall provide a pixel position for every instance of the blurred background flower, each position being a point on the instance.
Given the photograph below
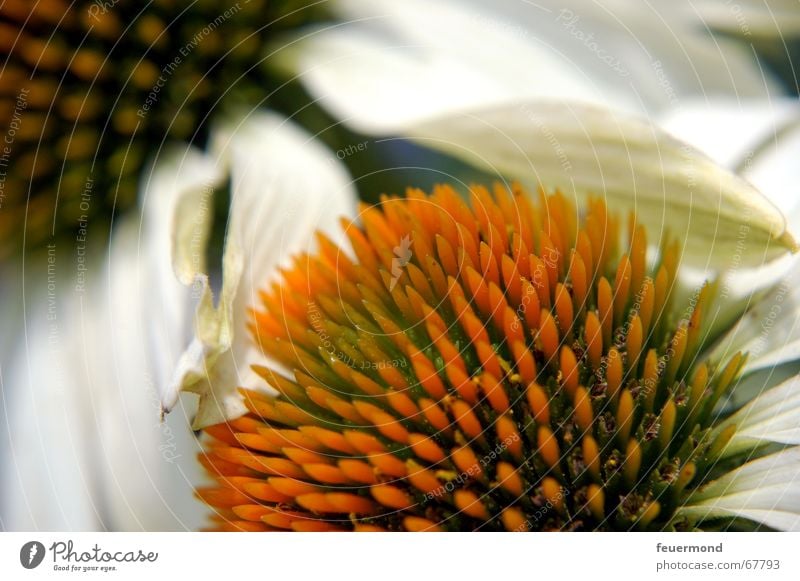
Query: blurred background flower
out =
(91, 94)
(91, 89)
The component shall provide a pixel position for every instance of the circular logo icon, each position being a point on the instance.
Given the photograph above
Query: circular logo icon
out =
(31, 554)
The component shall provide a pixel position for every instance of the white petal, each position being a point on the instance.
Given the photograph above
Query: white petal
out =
(634, 164)
(773, 416)
(766, 490)
(284, 187)
(46, 482)
(770, 330)
(132, 325)
(399, 63)
(758, 139)
(374, 86)
(86, 442)
(393, 64)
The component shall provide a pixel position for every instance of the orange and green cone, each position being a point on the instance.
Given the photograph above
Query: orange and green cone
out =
(498, 364)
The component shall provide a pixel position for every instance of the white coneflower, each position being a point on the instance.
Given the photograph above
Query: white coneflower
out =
(528, 369)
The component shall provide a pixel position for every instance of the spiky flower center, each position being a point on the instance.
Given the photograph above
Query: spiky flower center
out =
(499, 365)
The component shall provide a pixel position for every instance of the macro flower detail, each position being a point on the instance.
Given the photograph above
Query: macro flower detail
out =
(336, 266)
(528, 368)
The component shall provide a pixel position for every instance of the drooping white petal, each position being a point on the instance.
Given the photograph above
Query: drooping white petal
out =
(284, 187)
(127, 340)
(773, 416)
(632, 163)
(177, 205)
(766, 490)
